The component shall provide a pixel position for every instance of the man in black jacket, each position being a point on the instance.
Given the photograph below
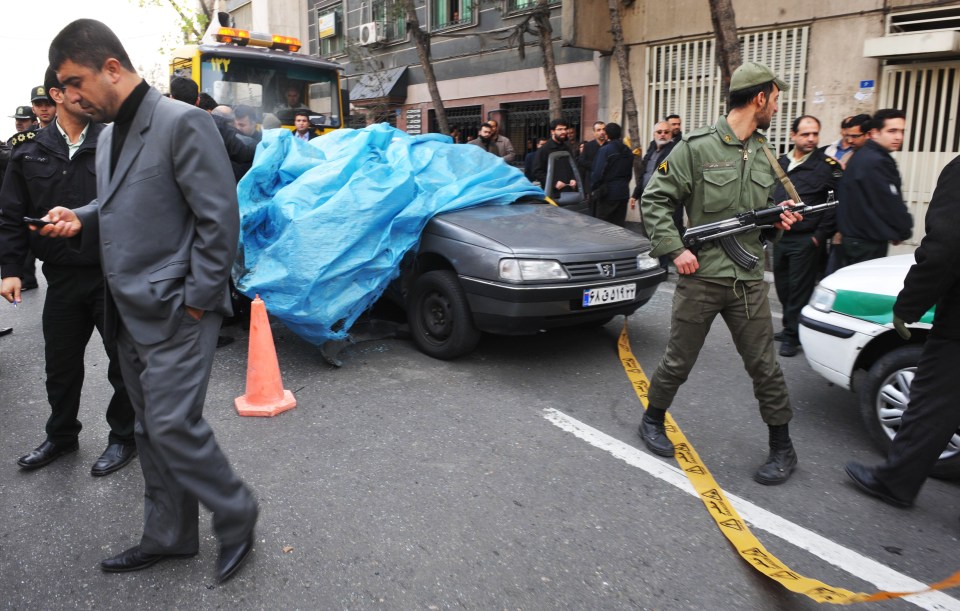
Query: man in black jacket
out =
(56, 168)
(871, 212)
(563, 177)
(796, 257)
(612, 171)
(588, 153)
(932, 417)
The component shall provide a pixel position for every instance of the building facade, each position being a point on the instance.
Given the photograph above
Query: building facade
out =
(841, 57)
(473, 46)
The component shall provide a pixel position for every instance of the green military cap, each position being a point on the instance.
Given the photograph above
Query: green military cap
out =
(23, 112)
(751, 74)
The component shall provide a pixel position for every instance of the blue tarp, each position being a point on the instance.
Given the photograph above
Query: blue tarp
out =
(325, 223)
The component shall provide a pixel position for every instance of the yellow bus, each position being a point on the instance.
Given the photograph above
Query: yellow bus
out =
(265, 72)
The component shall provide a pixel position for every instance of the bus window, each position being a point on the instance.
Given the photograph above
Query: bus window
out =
(324, 100)
(264, 85)
(233, 94)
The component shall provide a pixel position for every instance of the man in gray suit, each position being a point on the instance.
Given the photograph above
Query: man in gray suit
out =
(167, 222)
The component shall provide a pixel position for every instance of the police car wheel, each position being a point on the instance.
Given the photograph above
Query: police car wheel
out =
(884, 396)
(440, 319)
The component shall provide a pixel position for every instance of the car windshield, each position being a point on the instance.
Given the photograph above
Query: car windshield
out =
(269, 88)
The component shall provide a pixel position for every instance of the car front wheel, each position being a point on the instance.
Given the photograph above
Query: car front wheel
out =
(440, 317)
(885, 395)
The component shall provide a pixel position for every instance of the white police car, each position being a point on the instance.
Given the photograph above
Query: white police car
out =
(848, 338)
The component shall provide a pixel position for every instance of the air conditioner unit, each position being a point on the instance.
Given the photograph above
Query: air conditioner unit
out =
(371, 33)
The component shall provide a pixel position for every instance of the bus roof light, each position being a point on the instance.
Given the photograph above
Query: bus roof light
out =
(287, 43)
(233, 35)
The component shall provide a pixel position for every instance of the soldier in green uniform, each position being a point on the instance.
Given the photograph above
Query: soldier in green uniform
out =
(714, 173)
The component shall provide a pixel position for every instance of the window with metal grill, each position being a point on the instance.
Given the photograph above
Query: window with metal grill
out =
(684, 78)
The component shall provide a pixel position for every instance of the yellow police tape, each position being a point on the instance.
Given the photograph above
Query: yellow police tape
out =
(729, 521)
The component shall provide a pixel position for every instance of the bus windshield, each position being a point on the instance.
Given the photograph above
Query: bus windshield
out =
(269, 88)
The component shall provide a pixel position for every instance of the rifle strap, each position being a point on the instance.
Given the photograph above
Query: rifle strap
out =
(784, 179)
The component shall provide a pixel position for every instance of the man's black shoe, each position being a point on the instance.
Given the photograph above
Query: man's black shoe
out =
(114, 458)
(780, 335)
(46, 453)
(788, 349)
(654, 436)
(6, 331)
(232, 556)
(866, 481)
(135, 559)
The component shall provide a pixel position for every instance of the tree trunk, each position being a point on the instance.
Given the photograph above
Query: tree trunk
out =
(545, 37)
(629, 102)
(422, 40)
(728, 43)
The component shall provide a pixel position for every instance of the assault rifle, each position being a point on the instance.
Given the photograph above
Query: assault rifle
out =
(726, 231)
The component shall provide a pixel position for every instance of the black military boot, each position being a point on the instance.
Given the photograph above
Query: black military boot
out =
(653, 434)
(782, 459)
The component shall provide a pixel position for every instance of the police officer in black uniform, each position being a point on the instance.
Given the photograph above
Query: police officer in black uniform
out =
(55, 167)
(26, 129)
(796, 257)
(25, 121)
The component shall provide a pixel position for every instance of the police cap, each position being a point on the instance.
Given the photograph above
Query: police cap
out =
(23, 112)
(751, 74)
(39, 94)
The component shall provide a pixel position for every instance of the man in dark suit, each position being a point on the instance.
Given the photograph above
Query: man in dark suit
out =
(167, 223)
(932, 417)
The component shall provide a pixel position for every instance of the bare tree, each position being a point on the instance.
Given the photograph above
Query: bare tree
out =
(193, 21)
(541, 16)
(422, 40)
(537, 24)
(620, 52)
(728, 43)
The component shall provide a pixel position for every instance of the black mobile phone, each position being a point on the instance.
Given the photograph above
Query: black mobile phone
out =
(38, 222)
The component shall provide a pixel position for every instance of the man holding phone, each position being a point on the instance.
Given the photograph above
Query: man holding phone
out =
(56, 167)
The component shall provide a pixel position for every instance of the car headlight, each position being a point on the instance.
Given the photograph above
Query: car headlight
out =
(646, 262)
(822, 299)
(517, 270)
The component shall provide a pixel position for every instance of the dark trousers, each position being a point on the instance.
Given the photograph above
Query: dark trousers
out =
(796, 262)
(745, 309)
(181, 461)
(73, 307)
(612, 210)
(855, 250)
(929, 421)
(30, 270)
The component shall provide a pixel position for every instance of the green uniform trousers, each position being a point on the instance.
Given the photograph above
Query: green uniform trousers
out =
(746, 311)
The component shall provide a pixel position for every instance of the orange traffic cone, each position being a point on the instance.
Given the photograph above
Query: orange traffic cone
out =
(265, 393)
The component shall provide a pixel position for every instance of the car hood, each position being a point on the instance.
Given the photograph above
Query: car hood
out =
(878, 276)
(534, 229)
(868, 290)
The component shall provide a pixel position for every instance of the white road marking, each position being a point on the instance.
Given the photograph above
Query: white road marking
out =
(871, 571)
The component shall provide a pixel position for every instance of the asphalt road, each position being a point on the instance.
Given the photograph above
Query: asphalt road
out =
(401, 482)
